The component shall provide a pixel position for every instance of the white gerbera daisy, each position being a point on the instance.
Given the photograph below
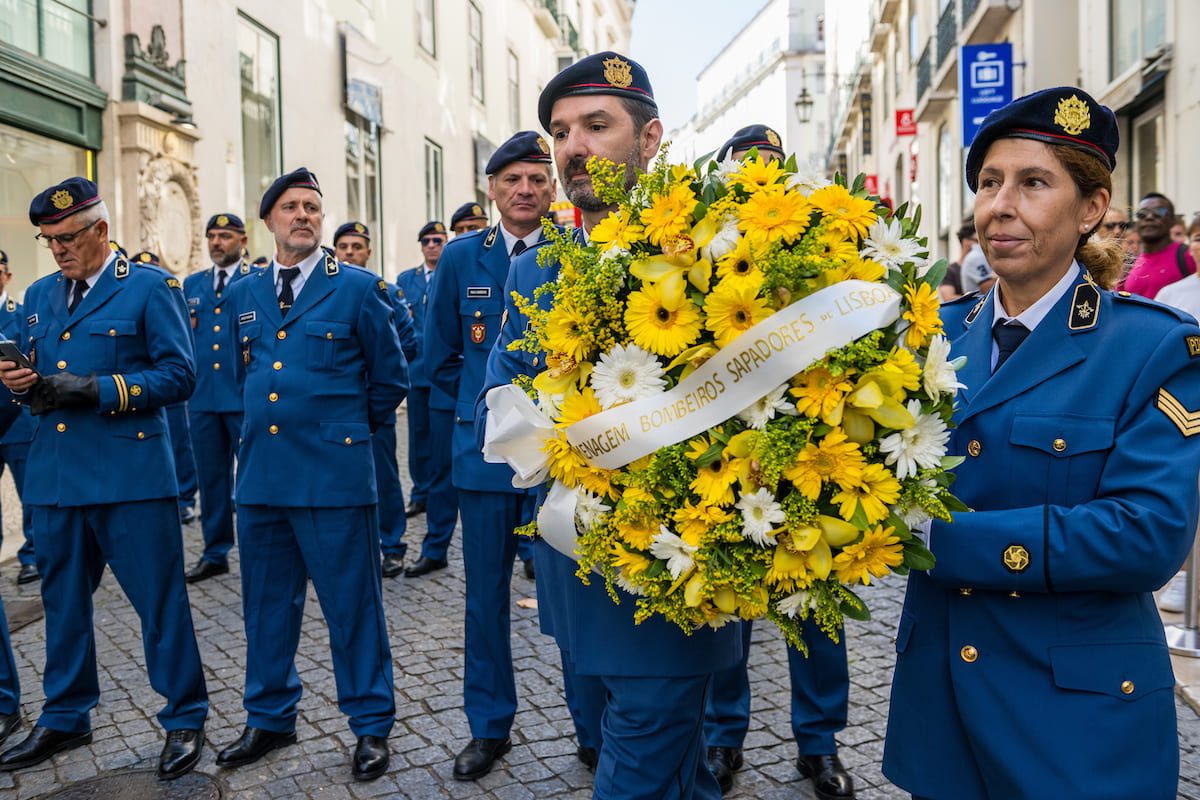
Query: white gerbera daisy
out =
(626, 373)
(793, 604)
(724, 242)
(939, 374)
(548, 403)
(623, 581)
(674, 550)
(589, 509)
(885, 244)
(914, 516)
(922, 445)
(764, 410)
(727, 169)
(808, 179)
(760, 515)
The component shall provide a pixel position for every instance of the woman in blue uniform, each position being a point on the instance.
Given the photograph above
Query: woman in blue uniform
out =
(1031, 659)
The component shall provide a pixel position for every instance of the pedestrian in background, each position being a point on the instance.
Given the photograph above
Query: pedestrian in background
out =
(1162, 260)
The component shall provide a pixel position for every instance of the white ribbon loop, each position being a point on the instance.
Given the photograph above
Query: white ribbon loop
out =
(515, 433)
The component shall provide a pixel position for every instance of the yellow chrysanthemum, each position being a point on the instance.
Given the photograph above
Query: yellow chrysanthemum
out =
(733, 308)
(818, 393)
(874, 556)
(639, 535)
(669, 214)
(633, 564)
(876, 490)
(846, 213)
(773, 213)
(618, 229)
(694, 520)
(663, 324)
(756, 174)
(834, 460)
(923, 303)
(565, 325)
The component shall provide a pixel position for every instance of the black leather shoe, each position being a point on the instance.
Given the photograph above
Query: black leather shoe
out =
(187, 515)
(588, 756)
(424, 566)
(205, 569)
(40, 744)
(830, 779)
(529, 569)
(253, 744)
(477, 758)
(180, 753)
(722, 763)
(393, 565)
(9, 723)
(370, 757)
(414, 508)
(28, 574)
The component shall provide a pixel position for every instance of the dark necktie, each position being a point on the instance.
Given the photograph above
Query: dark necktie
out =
(220, 281)
(1008, 337)
(518, 248)
(287, 275)
(76, 296)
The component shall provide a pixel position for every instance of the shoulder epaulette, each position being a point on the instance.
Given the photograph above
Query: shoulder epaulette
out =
(121, 268)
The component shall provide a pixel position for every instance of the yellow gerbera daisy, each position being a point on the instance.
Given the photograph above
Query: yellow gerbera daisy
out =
(739, 265)
(733, 308)
(638, 534)
(564, 327)
(904, 366)
(846, 213)
(669, 214)
(632, 563)
(822, 394)
(618, 229)
(874, 556)
(713, 483)
(876, 490)
(923, 303)
(773, 213)
(694, 520)
(663, 324)
(834, 460)
(837, 246)
(857, 269)
(756, 174)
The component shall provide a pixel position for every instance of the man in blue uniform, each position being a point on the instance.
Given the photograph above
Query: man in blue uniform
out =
(215, 408)
(111, 345)
(468, 217)
(462, 321)
(320, 368)
(10, 684)
(430, 421)
(14, 444)
(653, 675)
(352, 244)
(820, 681)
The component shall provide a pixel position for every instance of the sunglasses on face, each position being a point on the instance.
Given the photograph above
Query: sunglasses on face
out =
(428, 240)
(1116, 226)
(1157, 212)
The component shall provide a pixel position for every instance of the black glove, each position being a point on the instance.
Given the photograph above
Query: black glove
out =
(64, 390)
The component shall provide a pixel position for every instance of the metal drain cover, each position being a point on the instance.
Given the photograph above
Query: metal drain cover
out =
(141, 785)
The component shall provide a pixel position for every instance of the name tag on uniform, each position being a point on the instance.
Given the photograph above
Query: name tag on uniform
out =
(249, 316)
(479, 291)
(193, 301)
(31, 319)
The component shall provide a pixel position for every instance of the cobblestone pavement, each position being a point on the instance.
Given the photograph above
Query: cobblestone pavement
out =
(425, 619)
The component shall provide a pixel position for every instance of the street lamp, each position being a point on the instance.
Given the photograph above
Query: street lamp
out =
(804, 105)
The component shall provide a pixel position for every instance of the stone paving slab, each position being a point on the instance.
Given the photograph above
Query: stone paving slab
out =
(425, 618)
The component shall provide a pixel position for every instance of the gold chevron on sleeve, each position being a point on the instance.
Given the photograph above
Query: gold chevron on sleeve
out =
(1188, 422)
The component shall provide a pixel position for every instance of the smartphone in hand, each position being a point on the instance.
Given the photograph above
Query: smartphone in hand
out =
(10, 352)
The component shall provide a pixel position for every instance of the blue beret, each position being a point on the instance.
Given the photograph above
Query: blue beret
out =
(522, 146)
(116, 248)
(351, 229)
(225, 222)
(601, 73)
(1063, 115)
(432, 227)
(59, 202)
(760, 136)
(470, 210)
(3, 257)
(145, 257)
(301, 178)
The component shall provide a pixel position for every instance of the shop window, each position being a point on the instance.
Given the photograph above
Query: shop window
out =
(362, 178)
(258, 60)
(56, 30)
(433, 181)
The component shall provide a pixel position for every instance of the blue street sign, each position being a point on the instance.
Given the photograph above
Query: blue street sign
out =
(984, 83)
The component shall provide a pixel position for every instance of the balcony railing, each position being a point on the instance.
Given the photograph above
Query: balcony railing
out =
(947, 33)
(924, 73)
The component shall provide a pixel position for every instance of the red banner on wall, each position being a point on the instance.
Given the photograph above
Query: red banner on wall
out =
(906, 122)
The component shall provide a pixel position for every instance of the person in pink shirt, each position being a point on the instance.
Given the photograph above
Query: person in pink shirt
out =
(1162, 260)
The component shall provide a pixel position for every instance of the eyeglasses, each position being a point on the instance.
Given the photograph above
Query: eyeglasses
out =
(428, 240)
(1116, 226)
(64, 239)
(1148, 213)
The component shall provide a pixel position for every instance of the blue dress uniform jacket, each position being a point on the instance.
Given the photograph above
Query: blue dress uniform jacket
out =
(14, 443)
(412, 286)
(1031, 659)
(217, 350)
(392, 521)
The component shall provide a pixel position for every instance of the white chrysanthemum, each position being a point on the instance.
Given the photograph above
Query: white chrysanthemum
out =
(922, 445)
(914, 516)
(760, 515)
(674, 550)
(613, 254)
(589, 509)
(626, 373)
(623, 581)
(727, 169)
(548, 403)
(808, 179)
(939, 373)
(764, 410)
(885, 244)
(793, 604)
(724, 242)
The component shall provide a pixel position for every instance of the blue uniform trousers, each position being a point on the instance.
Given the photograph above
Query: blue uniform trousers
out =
(339, 547)
(820, 686)
(141, 542)
(654, 740)
(392, 522)
(15, 455)
(586, 697)
(419, 451)
(185, 460)
(215, 438)
(489, 547)
(10, 685)
(441, 511)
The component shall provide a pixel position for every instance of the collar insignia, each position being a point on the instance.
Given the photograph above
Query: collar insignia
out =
(62, 199)
(618, 73)
(491, 237)
(1072, 116)
(11, 305)
(331, 266)
(975, 311)
(121, 269)
(1085, 307)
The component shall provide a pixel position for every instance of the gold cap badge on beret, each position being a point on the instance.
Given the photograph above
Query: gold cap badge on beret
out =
(476, 210)
(222, 220)
(541, 143)
(144, 258)
(358, 227)
(618, 72)
(61, 199)
(772, 137)
(1072, 115)
(440, 228)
